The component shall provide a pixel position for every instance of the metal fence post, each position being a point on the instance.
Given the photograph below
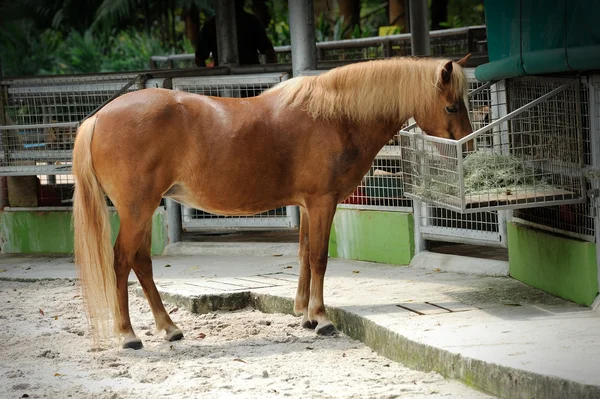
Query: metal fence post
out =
(304, 52)
(3, 179)
(173, 221)
(226, 32)
(302, 34)
(594, 118)
(419, 27)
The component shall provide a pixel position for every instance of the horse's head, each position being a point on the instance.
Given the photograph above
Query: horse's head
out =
(447, 115)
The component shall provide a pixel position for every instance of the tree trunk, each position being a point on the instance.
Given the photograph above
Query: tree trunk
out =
(192, 24)
(439, 13)
(398, 14)
(350, 10)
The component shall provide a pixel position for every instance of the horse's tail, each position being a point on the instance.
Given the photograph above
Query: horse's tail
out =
(94, 257)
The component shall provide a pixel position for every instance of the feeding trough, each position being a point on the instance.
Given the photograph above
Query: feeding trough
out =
(526, 151)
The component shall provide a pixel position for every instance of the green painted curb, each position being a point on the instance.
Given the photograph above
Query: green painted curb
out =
(50, 232)
(375, 236)
(558, 265)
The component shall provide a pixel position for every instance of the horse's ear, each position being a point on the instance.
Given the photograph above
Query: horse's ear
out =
(447, 72)
(463, 61)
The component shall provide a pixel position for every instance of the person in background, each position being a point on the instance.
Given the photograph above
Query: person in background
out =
(251, 37)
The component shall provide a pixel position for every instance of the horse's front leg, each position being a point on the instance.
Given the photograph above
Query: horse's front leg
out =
(320, 213)
(303, 291)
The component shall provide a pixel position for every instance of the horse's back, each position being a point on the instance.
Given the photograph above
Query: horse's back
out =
(214, 153)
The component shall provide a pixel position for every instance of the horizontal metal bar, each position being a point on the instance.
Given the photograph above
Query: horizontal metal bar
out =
(250, 221)
(68, 208)
(40, 154)
(427, 138)
(405, 209)
(490, 241)
(39, 126)
(11, 172)
(539, 226)
(229, 80)
(376, 40)
(347, 43)
(70, 87)
(104, 77)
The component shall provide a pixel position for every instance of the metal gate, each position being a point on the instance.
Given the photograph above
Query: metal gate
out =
(233, 86)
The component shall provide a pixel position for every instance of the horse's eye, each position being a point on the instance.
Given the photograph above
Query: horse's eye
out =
(451, 109)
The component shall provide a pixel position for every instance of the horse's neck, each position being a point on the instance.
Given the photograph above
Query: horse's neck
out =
(373, 135)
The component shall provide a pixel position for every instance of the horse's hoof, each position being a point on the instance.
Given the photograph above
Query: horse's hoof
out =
(311, 325)
(326, 331)
(175, 335)
(134, 344)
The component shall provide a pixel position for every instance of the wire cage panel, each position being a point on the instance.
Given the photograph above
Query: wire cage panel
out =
(40, 119)
(381, 188)
(530, 157)
(232, 86)
(575, 220)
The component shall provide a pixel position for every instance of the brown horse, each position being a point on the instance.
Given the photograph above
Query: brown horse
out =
(307, 142)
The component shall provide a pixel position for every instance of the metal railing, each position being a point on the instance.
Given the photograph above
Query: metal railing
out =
(449, 42)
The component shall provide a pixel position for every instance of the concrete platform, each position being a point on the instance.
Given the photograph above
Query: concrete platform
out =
(493, 333)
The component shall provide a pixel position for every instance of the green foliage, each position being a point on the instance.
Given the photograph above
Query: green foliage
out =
(279, 33)
(79, 53)
(464, 13)
(278, 30)
(131, 50)
(25, 52)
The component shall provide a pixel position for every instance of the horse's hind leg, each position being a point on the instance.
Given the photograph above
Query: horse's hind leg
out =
(126, 247)
(320, 214)
(143, 270)
(303, 291)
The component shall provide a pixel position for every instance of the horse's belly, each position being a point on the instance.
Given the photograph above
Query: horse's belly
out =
(237, 201)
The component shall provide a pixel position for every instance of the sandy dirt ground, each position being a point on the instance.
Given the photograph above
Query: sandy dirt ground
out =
(45, 353)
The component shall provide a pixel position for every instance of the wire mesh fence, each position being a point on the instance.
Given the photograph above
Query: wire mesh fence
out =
(238, 86)
(381, 188)
(532, 157)
(40, 118)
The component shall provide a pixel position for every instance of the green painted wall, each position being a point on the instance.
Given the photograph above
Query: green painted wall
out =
(561, 266)
(386, 237)
(31, 232)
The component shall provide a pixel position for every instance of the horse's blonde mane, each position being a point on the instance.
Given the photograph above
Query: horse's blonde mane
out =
(392, 89)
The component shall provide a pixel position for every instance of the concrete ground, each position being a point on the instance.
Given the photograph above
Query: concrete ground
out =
(494, 333)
